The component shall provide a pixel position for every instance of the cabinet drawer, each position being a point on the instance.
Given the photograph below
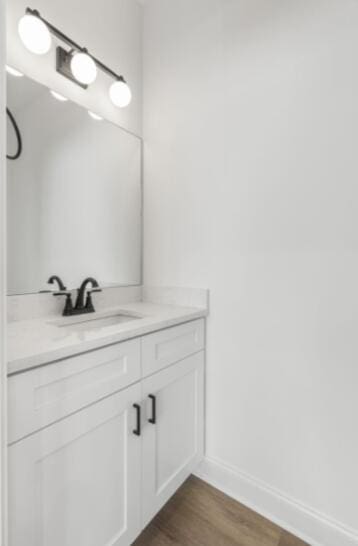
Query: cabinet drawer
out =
(168, 346)
(49, 393)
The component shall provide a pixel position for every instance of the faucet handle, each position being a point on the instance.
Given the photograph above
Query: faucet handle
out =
(68, 305)
(89, 303)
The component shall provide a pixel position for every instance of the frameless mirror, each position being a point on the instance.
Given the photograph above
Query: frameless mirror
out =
(74, 194)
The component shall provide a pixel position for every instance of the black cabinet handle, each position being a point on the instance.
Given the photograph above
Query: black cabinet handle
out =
(153, 419)
(137, 430)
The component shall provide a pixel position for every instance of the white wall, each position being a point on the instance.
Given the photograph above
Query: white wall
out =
(251, 130)
(111, 30)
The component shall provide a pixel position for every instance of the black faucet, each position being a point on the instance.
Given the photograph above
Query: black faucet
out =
(81, 307)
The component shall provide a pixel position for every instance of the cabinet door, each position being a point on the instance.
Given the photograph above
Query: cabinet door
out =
(173, 441)
(77, 482)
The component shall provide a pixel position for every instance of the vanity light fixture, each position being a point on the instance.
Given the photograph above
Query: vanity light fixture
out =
(58, 96)
(13, 71)
(75, 63)
(94, 116)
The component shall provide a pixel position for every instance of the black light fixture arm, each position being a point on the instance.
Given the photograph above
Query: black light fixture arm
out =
(64, 38)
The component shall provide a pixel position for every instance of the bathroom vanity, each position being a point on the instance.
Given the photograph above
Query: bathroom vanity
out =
(105, 409)
(101, 438)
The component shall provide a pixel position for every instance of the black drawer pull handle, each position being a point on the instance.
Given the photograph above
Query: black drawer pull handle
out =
(137, 430)
(153, 419)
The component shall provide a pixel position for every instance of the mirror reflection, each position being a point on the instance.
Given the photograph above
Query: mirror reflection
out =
(74, 193)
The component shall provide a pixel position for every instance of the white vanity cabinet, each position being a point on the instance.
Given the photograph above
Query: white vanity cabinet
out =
(94, 466)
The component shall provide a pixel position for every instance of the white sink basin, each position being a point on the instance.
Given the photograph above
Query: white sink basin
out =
(92, 322)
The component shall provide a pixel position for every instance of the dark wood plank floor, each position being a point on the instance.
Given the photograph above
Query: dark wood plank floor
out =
(199, 515)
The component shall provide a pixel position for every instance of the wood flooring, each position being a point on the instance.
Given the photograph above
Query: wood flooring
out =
(200, 515)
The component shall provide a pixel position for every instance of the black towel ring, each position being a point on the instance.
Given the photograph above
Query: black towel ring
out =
(18, 136)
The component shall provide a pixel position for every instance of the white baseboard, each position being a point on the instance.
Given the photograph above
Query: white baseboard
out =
(311, 526)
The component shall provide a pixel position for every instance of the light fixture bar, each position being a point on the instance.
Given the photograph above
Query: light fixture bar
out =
(64, 38)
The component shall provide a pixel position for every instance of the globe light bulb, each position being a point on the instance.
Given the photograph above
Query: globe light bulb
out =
(83, 68)
(120, 93)
(34, 34)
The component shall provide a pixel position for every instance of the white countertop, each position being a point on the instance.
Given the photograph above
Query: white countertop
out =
(36, 342)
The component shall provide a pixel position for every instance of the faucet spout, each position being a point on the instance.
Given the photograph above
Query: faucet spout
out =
(80, 301)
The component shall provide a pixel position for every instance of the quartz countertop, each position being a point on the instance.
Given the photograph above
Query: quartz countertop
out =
(36, 342)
